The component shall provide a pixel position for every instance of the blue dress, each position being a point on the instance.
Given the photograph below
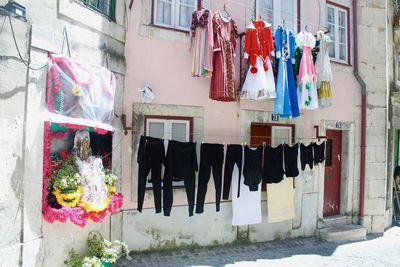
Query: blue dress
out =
(286, 103)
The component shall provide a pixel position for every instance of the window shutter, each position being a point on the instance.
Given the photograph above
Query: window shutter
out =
(111, 13)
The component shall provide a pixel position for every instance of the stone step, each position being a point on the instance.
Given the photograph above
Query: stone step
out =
(348, 232)
(335, 220)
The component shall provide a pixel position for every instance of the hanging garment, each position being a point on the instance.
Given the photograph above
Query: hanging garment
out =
(324, 71)
(259, 47)
(211, 157)
(273, 164)
(151, 157)
(290, 157)
(253, 170)
(201, 43)
(223, 84)
(181, 164)
(233, 157)
(306, 80)
(246, 209)
(319, 153)
(286, 102)
(280, 201)
(306, 156)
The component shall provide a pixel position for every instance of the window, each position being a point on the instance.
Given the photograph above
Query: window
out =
(278, 11)
(272, 134)
(173, 13)
(105, 7)
(169, 128)
(338, 25)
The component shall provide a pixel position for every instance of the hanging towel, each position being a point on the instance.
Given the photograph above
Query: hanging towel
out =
(281, 201)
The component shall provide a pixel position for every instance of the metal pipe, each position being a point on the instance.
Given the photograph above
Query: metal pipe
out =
(363, 114)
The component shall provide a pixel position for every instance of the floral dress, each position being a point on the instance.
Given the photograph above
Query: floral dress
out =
(201, 43)
(223, 81)
(306, 80)
(286, 102)
(324, 71)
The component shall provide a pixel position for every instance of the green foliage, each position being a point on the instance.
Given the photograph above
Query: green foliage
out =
(67, 177)
(101, 252)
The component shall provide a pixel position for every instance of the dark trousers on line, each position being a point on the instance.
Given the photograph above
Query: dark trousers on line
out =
(181, 164)
(211, 158)
(151, 156)
(233, 156)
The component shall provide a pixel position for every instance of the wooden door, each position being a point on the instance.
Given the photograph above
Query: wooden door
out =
(333, 168)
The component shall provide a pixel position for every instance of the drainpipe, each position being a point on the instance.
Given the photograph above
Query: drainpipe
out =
(363, 114)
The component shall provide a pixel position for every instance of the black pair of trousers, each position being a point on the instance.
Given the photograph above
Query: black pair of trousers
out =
(181, 164)
(252, 170)
(211, 158)
(233, 156)
(151, 157)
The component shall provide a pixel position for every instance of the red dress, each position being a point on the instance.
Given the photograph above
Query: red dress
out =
(223, 85)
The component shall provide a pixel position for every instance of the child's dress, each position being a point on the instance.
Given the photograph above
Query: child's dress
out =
(324, 71)
(286, 102)
(259, 47)
(306, 80)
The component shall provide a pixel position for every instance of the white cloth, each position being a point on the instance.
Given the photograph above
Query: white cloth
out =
(95, 191)
(323, 63)
(281, 201)
(247, 208)
(259, 85)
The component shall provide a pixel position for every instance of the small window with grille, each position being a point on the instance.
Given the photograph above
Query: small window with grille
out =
(105, 7)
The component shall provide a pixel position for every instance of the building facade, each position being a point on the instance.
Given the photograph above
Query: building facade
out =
(96, 35)
(152, 37)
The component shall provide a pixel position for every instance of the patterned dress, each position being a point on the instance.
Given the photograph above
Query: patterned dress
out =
(201, 43)
(324, 71)
(223, 85)
(286, 103)
(306, 84)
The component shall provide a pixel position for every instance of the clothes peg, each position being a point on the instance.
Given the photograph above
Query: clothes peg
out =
(306, 28)
(245, 143)
(241, 144)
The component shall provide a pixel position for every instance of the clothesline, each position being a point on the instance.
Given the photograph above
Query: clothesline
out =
(252, 136)
(237, 3)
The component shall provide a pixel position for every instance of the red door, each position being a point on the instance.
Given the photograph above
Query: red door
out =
(333, 170)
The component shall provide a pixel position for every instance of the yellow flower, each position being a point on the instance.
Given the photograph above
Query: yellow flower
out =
(68, 199)
(88, 207)
(76, 90)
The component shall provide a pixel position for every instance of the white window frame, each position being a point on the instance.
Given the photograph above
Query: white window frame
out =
(168, 136)
(273, 135)
(336, 33)
(276, 8)
(175, 11)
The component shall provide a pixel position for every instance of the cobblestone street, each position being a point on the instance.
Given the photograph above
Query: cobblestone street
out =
(376, 251)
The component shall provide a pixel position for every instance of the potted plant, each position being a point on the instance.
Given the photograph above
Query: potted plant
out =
(102, 252)
(67, 183)
(110, 180)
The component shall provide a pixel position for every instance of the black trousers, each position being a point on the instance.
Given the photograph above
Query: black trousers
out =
(151, 156)
(181, 164)
(233, 156)
(211, 158)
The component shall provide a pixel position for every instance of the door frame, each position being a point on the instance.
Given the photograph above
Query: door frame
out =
(347, 166)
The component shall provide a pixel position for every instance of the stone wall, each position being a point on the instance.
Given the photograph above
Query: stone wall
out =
(94, 39)
(373, 60)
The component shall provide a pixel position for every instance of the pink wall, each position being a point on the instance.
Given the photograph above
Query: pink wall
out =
(165, 66)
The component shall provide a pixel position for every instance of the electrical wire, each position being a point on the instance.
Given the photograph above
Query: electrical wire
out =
(26, 63)
(2, 26)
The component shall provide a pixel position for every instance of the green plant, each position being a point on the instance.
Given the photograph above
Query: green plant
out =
(67, 176)
(106, 250)
(110, 177)
(102, 252)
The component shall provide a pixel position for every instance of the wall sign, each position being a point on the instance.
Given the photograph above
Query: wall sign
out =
(275, 117)
(338, 125)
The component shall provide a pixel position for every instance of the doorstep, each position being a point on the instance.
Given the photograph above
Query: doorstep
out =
(335, 220)
(348, 232)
